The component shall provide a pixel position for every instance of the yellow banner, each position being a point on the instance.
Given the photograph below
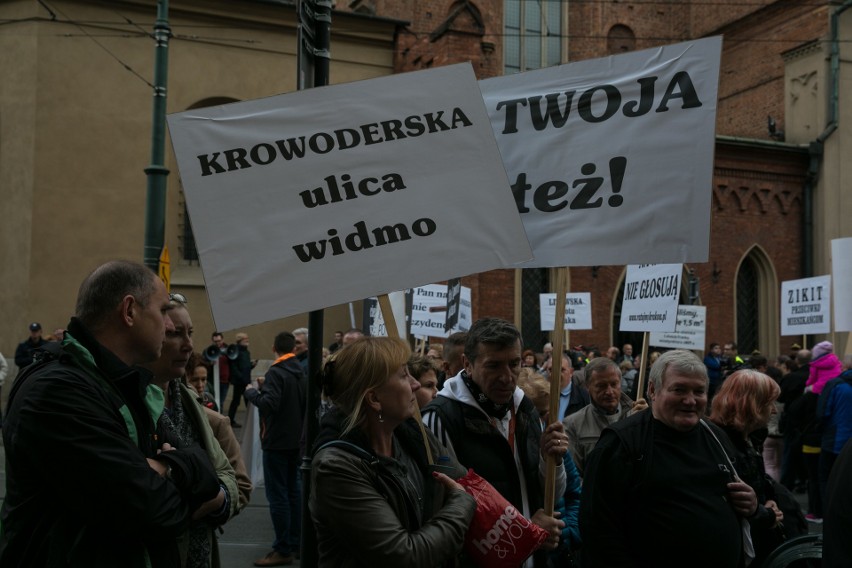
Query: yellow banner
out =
(165, 270)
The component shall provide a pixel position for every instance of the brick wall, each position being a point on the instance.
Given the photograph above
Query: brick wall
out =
(756, 189)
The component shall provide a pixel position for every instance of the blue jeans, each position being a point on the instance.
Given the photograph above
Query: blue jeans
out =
(283, 491)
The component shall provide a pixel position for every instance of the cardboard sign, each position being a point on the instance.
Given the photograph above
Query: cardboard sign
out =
(806, 306)
(428, 311)
(578, 311)
(650, 300)
(320, 197)
(841, 268)
(689, 332)
(612, 158)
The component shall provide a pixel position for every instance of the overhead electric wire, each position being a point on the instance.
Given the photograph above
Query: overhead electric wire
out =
(102, 46)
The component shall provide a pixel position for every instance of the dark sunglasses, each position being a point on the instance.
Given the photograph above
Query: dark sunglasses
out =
(179, 298)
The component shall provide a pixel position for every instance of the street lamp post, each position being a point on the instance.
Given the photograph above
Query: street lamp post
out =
(315, 40)
(155, 204)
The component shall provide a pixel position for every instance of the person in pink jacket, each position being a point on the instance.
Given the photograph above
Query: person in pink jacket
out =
(824, 366)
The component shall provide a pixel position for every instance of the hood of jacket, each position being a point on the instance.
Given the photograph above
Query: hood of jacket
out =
(455, 389)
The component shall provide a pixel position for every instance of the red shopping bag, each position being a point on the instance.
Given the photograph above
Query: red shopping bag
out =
(499, 535)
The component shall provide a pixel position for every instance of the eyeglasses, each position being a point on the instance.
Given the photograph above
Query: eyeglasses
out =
(178, 298)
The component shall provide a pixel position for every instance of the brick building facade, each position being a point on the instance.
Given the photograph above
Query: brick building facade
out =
(757, 216)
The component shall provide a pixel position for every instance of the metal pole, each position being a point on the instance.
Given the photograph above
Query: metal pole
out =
(155, 205)
(322, 55)
(310, 556)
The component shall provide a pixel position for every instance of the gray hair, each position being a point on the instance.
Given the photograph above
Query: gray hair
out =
(600, 365)
(681, 361)
(301, 331)
(103, 289)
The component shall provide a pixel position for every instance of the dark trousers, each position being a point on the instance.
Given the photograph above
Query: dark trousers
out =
(792, 462)
(236, 397)
(826, 462)
(283, 492)
(814, 495)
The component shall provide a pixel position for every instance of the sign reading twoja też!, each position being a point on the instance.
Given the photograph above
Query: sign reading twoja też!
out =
(551, 196)
(611, 158)
(320, 197)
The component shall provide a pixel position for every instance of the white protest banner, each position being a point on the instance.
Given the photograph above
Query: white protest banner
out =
(578, 310)
(841, 269)
(428, 311)
(806, 306)
(689, 333)
(611, 158)
(320, 197)
(650, 300)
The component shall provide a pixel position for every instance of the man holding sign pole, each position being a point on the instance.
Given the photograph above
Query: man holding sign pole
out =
(493, 428)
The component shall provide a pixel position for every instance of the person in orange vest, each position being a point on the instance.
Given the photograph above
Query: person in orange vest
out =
(280, 401)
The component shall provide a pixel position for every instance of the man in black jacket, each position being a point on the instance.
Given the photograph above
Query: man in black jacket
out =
(87, 482)
(280, 401)
(240, 376)
(663, 472)
(25, 350)
(793, 472)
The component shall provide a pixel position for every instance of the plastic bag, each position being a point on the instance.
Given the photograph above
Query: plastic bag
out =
(499, 535)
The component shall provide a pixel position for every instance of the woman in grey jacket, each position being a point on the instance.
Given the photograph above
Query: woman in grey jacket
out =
(374, 499)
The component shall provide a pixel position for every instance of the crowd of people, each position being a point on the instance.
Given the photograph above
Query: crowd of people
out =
(709, 454)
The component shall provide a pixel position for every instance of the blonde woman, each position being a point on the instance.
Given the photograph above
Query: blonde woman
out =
(374, 500)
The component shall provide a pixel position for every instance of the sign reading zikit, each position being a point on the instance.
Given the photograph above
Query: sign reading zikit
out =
(806, 306)
(319, 197)
(612, 159)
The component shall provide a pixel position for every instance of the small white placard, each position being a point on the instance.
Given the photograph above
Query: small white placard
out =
(578, 310)
(650, 301)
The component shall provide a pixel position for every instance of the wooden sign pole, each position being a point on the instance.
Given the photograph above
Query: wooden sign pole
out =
(640, 389)
(555, 382)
